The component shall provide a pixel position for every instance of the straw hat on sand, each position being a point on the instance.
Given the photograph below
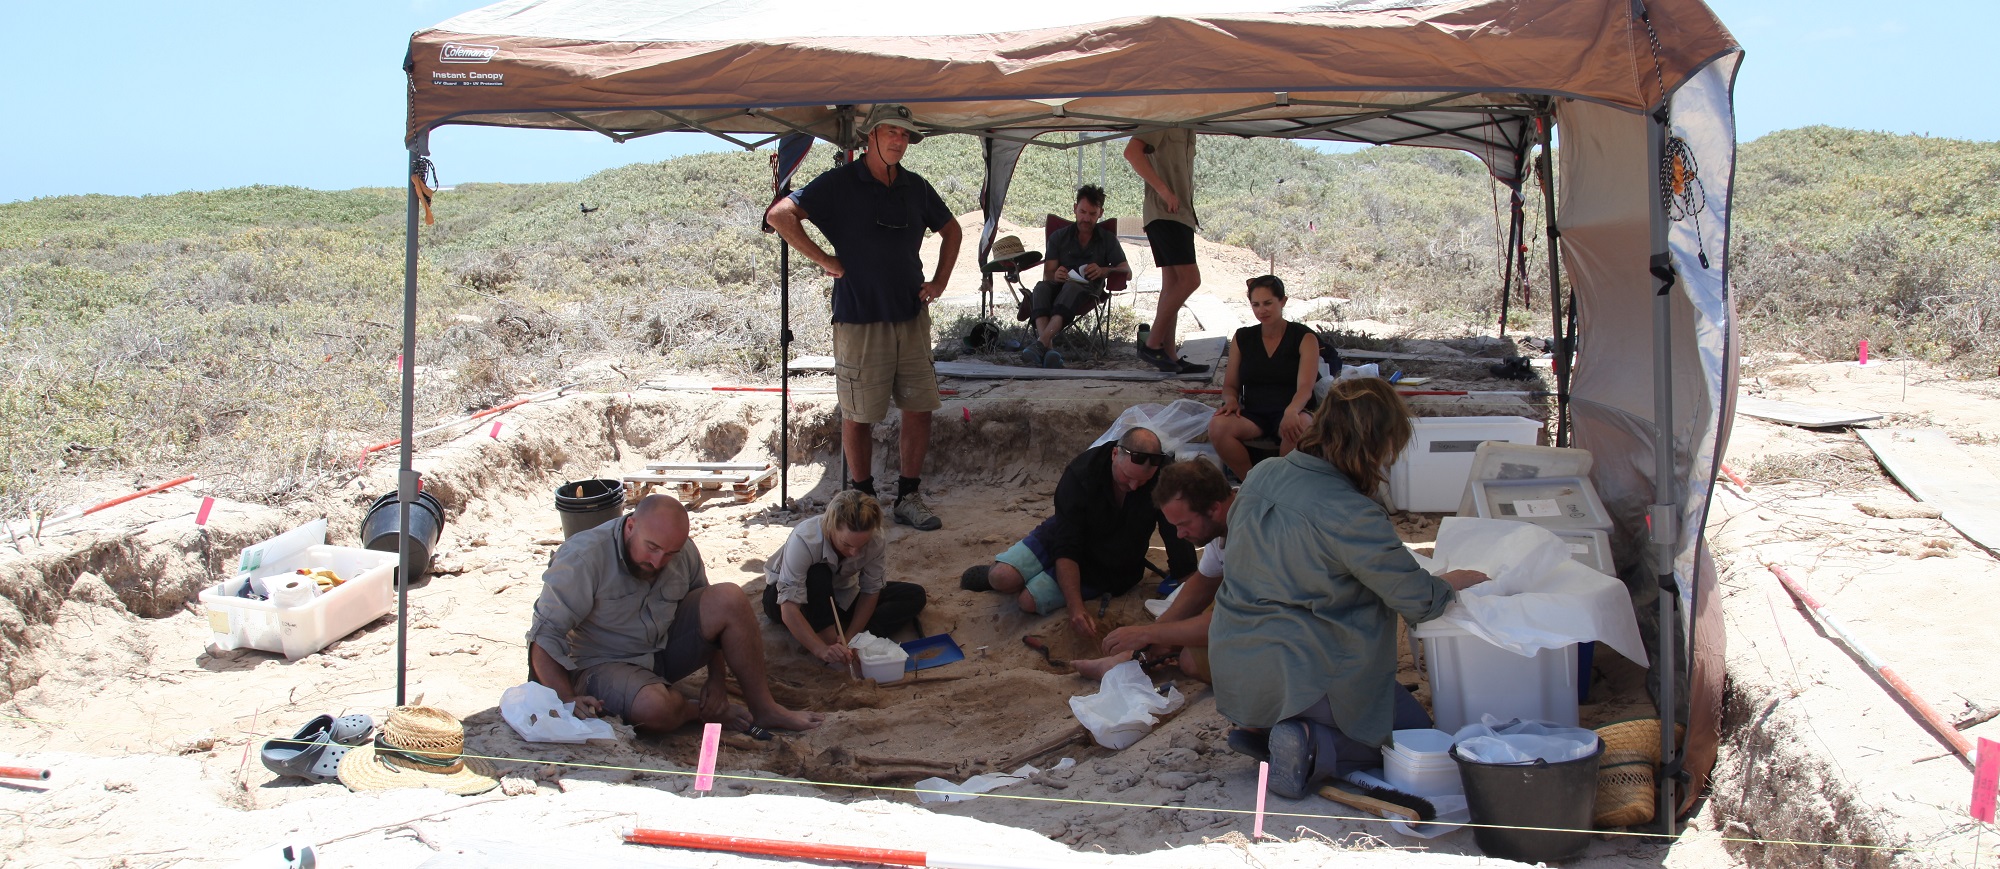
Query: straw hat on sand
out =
(418, 747)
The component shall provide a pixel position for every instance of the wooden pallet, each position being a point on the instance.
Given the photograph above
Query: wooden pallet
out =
(691, 480)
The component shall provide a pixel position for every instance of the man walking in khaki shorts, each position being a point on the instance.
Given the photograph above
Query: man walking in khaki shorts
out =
(875, 212)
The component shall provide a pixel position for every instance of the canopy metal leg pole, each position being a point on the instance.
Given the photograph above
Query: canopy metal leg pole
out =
(1544, 167)
(1664, 515)
(406, 477)
(784, 375)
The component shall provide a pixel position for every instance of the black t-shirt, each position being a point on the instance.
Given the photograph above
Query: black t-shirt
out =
(876, 231)
(1269, 381)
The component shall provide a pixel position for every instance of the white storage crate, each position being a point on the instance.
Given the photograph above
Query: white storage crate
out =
(1555, 502)
(1588, 547)
(1430, 475)
(1471, 677)
(295, 632)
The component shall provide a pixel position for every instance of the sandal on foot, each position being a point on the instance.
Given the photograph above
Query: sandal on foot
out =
(1250, 743)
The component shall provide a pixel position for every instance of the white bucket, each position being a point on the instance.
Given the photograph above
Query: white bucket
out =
(1419, 762)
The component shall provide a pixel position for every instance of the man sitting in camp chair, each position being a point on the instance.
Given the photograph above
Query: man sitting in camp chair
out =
(1083, 256)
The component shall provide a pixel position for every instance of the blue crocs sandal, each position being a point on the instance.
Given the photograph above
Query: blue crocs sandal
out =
(314, 753)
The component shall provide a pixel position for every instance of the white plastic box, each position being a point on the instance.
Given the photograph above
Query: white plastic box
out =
(1553, 503)
(1471, 677)
(295, 632)
(1430, 475)
(885, 667)
(1588, 547)
(1419, 762)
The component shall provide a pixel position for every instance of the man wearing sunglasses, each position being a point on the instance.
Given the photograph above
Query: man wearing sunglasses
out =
(1095, 544)
(875, 212)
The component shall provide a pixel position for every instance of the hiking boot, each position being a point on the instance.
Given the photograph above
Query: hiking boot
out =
(1032, 354)
(1185, 367)
(977, 578)
(912, 511)
(1051, 359)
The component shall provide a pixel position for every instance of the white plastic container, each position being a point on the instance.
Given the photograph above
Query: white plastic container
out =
(1471, 677)
(1588, 547)
(1553, 503)
(883, 666)
(295, 632)
(1430, 475)
(1419, 762)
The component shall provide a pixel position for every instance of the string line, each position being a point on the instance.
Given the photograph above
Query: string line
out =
(1075, 801)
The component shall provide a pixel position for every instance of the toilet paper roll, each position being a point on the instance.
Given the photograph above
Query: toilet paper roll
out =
(294, 592)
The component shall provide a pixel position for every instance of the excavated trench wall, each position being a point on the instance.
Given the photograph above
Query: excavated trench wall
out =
(150, 554)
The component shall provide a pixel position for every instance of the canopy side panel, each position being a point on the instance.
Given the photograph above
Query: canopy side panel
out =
(1605, 220)
(1584, 48)
(1704, 117)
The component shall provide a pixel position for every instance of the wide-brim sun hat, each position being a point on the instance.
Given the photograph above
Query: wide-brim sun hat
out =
(418, 747)
(894, 115)
(1006, 247)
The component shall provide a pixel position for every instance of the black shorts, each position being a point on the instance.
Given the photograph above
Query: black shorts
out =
(1268, 419)
(1173, 243)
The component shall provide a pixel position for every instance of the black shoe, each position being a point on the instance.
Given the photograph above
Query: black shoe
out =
(1187, 367)
(1158, 359)
(976, 578)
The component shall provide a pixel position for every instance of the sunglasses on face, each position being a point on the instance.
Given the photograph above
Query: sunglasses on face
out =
(1154, 459)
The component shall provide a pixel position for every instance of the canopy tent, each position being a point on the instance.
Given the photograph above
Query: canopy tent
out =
(1640, 91)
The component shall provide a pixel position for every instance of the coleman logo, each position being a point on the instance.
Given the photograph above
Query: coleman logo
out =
(463, 52)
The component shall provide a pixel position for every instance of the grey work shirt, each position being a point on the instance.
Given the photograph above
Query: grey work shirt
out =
(1317, 577)
(1172, 153)
(593, 610)
(786, 569)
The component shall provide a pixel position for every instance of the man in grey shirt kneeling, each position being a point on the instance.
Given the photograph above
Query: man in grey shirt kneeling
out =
(626, 611)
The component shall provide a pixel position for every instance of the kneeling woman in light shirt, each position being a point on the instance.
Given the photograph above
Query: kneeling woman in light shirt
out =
(835, 560)
(1303, 642)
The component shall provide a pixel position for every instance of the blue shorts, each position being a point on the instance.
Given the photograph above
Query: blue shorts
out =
(1038, 567)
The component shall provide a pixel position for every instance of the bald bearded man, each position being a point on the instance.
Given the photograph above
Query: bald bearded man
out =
(626, 611)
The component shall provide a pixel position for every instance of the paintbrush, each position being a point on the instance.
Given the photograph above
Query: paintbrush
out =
(851, 670)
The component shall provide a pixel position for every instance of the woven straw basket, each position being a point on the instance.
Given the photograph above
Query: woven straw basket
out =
(1625, 794)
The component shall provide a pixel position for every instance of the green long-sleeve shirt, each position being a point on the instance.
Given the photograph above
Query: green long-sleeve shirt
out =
(1308, 606)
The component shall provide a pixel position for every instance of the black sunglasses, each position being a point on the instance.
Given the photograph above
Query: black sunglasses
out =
(1154, 459)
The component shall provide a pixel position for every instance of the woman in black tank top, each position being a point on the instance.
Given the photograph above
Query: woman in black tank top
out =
(1268, 389)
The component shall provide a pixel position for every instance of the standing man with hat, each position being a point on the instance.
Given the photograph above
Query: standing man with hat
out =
(875, 212)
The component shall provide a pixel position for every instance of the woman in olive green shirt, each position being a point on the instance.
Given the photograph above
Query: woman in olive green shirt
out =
(1303, 641)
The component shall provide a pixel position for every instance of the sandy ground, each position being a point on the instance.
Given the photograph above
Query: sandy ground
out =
(152, 736)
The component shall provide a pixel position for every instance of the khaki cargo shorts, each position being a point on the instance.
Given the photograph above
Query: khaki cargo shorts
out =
(875, 363)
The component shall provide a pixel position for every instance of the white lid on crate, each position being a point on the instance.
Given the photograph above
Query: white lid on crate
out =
(1553, 502)
(1500, 460)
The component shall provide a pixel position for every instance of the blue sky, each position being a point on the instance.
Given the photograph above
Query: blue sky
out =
(213, 94)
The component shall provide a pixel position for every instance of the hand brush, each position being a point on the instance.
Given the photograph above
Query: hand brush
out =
(1380, 801)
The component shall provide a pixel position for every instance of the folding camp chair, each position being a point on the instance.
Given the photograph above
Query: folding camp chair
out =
(1100, 313)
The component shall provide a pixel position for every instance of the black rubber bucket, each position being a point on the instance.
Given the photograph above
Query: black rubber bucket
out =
(1558, 796)
(586, 504)
(378, 528)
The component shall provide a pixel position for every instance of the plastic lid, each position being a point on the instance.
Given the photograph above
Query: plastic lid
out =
(1425, 741)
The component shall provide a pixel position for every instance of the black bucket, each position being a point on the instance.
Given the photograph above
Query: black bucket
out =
(378, 528)
(586, 504)
(1558, 796)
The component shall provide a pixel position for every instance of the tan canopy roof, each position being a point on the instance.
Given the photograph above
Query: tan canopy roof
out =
(1413, 72)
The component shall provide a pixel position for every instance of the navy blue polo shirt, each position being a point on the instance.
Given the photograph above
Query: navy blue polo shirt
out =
(876, 231)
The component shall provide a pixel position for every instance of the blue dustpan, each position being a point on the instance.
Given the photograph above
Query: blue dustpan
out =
(932, 651)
